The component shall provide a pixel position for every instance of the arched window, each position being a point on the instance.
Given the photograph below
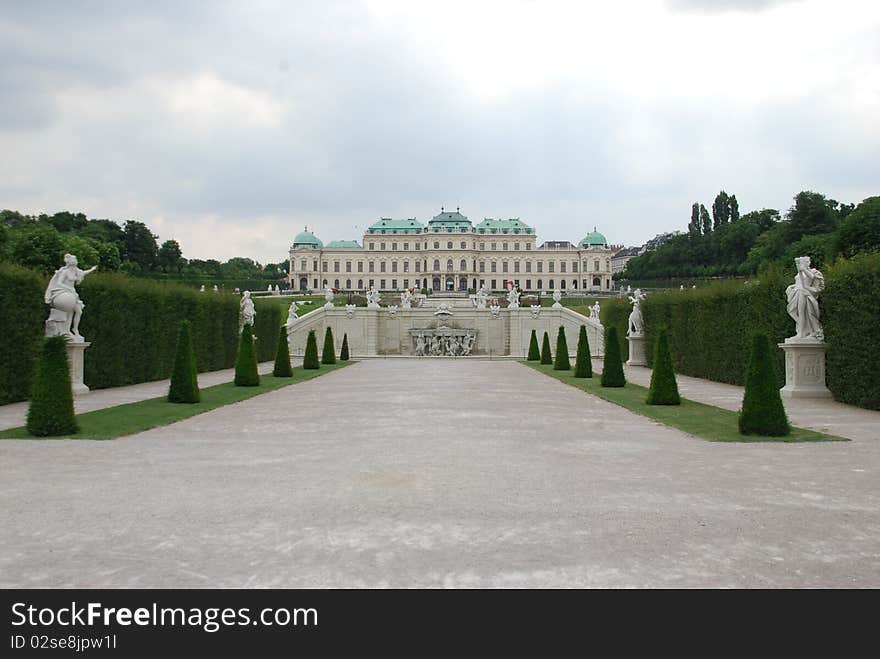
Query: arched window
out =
(335, 283)
(540, 284)
(360, 283)
(463, 265)
(597, 281)
(574, 283)
(436, 244)
(436, 264)
(449, 244)
(348, 284)
(551, 284)
(562, 284)
(449, 265)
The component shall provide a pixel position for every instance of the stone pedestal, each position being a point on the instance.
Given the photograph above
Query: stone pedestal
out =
(636, 350)
(804, 369)
(75, 356)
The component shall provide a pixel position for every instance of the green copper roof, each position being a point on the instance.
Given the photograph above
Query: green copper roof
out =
(513, 225)
(342, 244)
(307, 239)
(593, 239)
(387, 225)
(450, 221)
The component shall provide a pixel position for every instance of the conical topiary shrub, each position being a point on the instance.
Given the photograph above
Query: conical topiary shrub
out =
(562, 362)
(664, 389)
(184, 387)
(282, 368)
(50, 412)
(329, 354)
(762, 410)
(546, 357)
(310, 359)
(343, 352)
(612, 367)
(583, 365)
(246, 374)
(534, 352)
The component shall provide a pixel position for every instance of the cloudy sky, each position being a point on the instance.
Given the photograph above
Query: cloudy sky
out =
(230, 126)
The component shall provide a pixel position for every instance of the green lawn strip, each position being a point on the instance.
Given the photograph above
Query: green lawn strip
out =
(706, 421)
(130, 418)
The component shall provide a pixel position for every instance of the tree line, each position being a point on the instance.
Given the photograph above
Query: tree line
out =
(726, 243)
(40, 241)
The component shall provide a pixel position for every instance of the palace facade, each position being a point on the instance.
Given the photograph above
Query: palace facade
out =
(450, 253)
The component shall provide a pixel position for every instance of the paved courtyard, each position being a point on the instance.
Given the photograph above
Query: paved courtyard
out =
(435, 473)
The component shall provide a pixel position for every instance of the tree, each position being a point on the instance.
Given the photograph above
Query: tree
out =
(328, 356)
(282, 367)
(705, 220)
(82, 248)
(37, 246)
(664, 389)
(246, 374)
(612, 368)
(583, 365)
(734, 209)
(184, 386)
(811, 214)
(562, 362)
(534, 352)
(65, 221)
(50, 412)
(720, 210)
(140, 245)
(763, 219)
(170, 257)
(546, 357)
(694, 226)
(860, 231)
(762, 410)
(108, 256)
(343, 353)
(310, 359)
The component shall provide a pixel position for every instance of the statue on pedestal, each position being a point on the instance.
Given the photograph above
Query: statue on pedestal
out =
(481, 297)
(406, 299)
(373, 298)
(246, 311)
(557, 296)
(291, 316)
(636, 320)
(61, 296)
(594, 311)
(513, 298)
(803, 303)
(328, 295)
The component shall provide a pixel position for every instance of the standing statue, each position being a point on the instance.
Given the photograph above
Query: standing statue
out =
(328, 295)
(373, 298)
(63, 300)
(636, 321)
(420, 345)
(406, 299)
(481, 297)
(246, 311)
(291, 316)
(803, 303)
(513, 298)
(594, 310)
(557, 296)
(202, 289)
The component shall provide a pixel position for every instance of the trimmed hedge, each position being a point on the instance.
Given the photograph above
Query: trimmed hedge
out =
(663, 389)
(343, 353)
(310, 358)
(850, 311)
(50, 412)
(534, 352)
(282, 368)
(328, 356)
(762, 412)
(612, 367)
(246, 373)
(562, 362)
(615, 313)
(21, 329)
(184, 386)
(546, 357)
(583, 366)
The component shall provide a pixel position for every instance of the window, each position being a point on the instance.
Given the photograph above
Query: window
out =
(596, 265)
(372, 266)
(393, 247)
(372, 246)
(562, 284)
(348, 284)
(382, 284)
(382, 246)
(516, 266)
(494, 267)
(418, 263)
(482, 245)
(335, 266)
(372, 283)
(540, 284)
(324, 266)
(302, 265)
(574, 266)
(528, 284)
(463, 265)
(482, 266)
(586, 265)
(394, 284)
(463, 245)
(516, 247)
(436, 264)
(504, 267)
(406, 266)
(360, 283)
(449, 265)
(315, 268)
(494, 246)
(360, 266)
(406, 283)
(562, 266)
(550, 266)
(394, 266)
(418, 245)
(551, 284)
(449, 244)
(528, 266)
(382, 266)
(597, 282)
(504, 246)
(585, 283)
(348, 267)
(494, 284)
(528, 245)
(405, 247)
(436, 245)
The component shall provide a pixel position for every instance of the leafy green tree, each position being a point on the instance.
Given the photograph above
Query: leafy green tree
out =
(310, 359)
(583, 365)
(343, 353)
(534, 351)
(764, 219)
(82, 248)
(705, 220)
(184, 387)
(811, 214)
(695, 226)
(328, 356)
(820, 248)
(246, 373)
(562, 362)
(50, 412)
(612, 367)
(106, 231)
(762, 410)
(860, 231)
(282, 368)
(546, 356)
(65, 221)
(734, 209)
(37, 246)
(720, 210)
(664, 389)
(170, 257)
(140, 245)
(108, 256)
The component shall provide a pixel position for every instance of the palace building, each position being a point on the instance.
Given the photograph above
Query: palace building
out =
(450, 253)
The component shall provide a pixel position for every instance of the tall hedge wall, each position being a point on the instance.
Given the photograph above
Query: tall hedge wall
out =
(131, 324)
(616, 312)
(851, 316)
(22, 314)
